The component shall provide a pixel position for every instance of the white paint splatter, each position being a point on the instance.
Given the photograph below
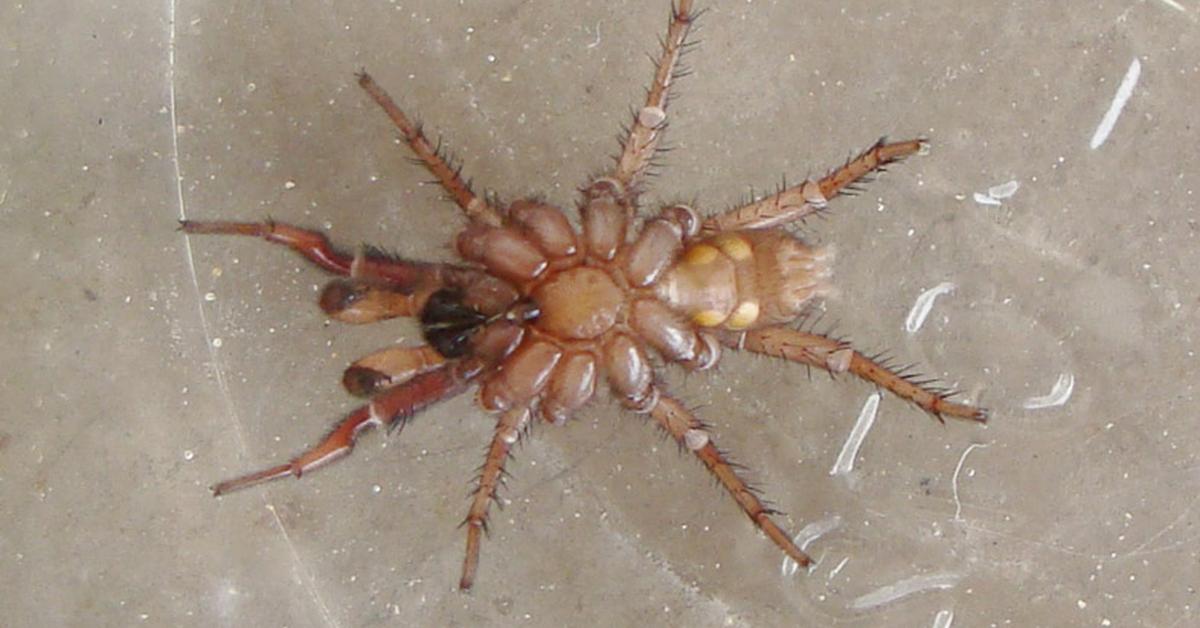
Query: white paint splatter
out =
(924, 304)
(808, 534)
(1124, 91)
(866, 418)
(597, 42)
(836, 570)
(995, 194)
(1174, 5)
(1004, 190)
(904, 588)
(984, 199)
(943, 619)
(954, 481)
(1058, 395)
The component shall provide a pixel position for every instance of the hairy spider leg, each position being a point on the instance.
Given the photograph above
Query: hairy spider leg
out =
(837, 357)
(315, 247)
(795, 202)
(692, 434)
(509, 428)
(391, 409)
(450, 177)
(638, 150)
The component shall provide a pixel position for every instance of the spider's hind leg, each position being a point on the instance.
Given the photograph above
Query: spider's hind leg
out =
(798, 201)
(837, 356)
(692, 434)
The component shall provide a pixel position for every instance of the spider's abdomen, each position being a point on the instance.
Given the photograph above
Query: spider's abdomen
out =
(745, 279)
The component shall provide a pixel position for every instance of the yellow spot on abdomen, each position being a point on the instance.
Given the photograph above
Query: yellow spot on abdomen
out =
(700, 255)
(733, 245)
(744, 316)
(708, 318)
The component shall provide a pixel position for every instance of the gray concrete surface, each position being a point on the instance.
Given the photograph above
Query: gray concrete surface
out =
(140, 367)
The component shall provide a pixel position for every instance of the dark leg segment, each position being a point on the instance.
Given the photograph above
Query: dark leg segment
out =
(491, 475)
(836, 356)
(391, 408)
(689, 432)
(450, 178)
(796, 202)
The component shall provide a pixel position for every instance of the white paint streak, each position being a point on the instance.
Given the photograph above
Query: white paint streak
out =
(1004, 190)
(214, 354)
(866, 418)
(997, 193)
(1174, 5)
(943, 619)
(1058, 395)
(984, 199)
(808, 534)
(1124, 91)
(836, 570)
(924, 304)
(954, 481)
(904, 588)
(816, 530)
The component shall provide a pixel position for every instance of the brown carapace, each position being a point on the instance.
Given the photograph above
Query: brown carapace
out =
(540, 316)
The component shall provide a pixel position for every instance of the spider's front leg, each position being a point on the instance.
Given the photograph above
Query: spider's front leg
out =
(837, 356)
(316, 248)
(449, 176)
(390, 408)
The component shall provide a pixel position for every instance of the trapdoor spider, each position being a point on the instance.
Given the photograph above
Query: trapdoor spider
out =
(539, 315)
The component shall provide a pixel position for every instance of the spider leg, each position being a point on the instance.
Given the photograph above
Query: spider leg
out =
(837, 356)
(639, 147)
(316, 248)
(448, 176)
(391, 409)
(491, 476)
(388, 367)
(795, 202)
(690, 432)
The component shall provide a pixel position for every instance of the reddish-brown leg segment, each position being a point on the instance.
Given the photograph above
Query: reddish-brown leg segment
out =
(389, 367)
(491, 475)
(315, 247)
(689, 432)
(450, 178)
(836, 356)
(796, 202)
(651, 119)
(391, 408)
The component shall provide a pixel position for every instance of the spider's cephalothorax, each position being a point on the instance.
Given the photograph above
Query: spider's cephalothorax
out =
(541, 315)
